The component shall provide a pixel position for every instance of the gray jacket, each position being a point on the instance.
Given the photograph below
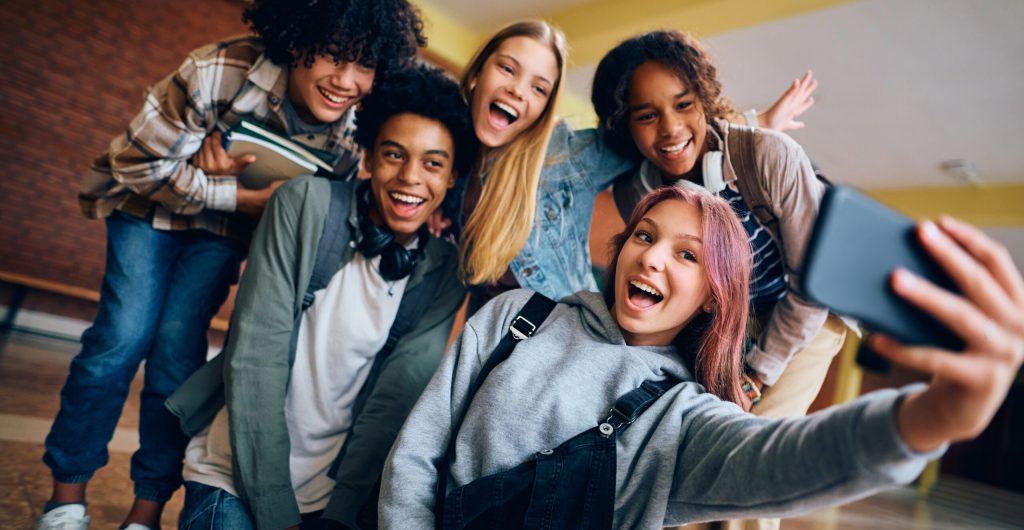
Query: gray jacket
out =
(254, 370)
(690, 457)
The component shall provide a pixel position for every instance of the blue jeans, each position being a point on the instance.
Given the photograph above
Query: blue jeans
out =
(210, 508)
(160, 291)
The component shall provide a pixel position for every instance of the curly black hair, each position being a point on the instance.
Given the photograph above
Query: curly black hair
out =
(425, 91)
(380, 33)
(677, 51)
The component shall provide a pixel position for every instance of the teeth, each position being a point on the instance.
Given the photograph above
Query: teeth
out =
(511, 111)
(408, 199)
(675, 148)
(331, 97)
(646, 288)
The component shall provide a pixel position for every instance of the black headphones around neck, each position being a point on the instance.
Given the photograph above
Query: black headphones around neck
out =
(396, 261)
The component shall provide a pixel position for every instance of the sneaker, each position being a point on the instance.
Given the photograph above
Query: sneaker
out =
(136, 526)
(67, 517)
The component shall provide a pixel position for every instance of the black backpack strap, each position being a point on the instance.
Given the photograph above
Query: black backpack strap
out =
(332, 240)
(523, 326)
(328, 251)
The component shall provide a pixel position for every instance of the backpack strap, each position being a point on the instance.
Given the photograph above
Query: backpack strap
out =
(748, 178)
(523, 326)
(332, 241)
(328, 252)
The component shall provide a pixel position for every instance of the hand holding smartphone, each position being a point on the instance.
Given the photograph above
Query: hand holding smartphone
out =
(856, 244)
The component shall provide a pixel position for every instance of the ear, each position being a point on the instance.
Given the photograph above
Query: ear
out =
(366, 162)
(452, 179)
(472, 83)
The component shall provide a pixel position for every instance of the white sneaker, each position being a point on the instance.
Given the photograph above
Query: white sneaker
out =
(136, 526)
(68, 517)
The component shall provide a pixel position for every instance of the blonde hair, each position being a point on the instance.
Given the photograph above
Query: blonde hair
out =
(498, 227)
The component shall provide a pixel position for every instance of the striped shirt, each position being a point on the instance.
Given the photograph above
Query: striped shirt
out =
(768, 273)
(148, 169)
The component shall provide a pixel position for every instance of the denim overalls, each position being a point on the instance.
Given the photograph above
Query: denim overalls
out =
(570, 486)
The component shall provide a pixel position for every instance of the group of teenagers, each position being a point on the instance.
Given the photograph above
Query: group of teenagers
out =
(333, 403)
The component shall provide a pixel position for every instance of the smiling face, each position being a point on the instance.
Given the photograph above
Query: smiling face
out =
(411, 169)
(666, 120)
(323, 92)
(660, 281)
(512, 90)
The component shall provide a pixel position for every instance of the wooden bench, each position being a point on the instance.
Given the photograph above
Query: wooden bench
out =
(24, 282)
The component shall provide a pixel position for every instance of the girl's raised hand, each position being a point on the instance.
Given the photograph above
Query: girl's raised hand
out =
(967, 387)
(798, 97)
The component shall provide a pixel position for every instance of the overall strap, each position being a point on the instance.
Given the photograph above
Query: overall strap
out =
(630, 406)
(523, 326)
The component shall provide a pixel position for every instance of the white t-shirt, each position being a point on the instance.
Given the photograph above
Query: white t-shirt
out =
(338, 337)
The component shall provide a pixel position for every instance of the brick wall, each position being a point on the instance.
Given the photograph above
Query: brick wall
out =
(73, 75)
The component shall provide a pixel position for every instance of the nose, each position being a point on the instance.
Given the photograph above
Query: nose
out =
(668, 124)
(517, 88)
(409, 173)
(653, 257)
(344, 75)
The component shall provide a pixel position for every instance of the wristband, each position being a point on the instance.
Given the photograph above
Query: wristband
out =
(751, 116)
(751, 390)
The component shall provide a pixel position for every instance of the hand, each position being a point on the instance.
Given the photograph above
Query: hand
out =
(967, 388)
(782, 115)
(252, 202)
(214, 160)
(437, 223)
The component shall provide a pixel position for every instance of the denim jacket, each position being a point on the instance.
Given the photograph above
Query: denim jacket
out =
(555, 260)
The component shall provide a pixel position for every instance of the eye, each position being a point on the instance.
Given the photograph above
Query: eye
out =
(683, 105)
(435, 164)
(541, 90)
(644, 117)
(506, 68)
(394, 155)
(688, 256)
(643, 236)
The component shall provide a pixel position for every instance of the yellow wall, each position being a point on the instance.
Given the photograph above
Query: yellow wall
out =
(988, 206)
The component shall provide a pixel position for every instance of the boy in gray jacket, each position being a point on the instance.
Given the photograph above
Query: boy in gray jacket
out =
(318, 382)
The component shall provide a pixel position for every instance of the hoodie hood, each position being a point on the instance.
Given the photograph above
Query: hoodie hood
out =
(595, 316)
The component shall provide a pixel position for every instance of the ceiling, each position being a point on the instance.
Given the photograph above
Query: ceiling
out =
(905, 84)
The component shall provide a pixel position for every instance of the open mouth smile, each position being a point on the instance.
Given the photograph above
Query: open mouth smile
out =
(675, 150)
(405, 205)
(333, 98)
(502, 115)
(643, 295)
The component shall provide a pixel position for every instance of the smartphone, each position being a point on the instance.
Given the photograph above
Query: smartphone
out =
(855, 245)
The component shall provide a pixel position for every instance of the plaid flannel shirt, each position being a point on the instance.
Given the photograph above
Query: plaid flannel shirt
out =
(148, 168)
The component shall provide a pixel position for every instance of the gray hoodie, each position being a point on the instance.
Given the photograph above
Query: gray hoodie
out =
(690, 457)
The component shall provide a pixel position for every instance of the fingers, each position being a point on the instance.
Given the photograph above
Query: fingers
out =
(981, 333)
(926, 360)
(970, 274)
(954, 311)
(992, 255)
